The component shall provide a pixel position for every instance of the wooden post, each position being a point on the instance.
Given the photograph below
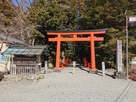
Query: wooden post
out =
(74, 64)
(92, 51)
(58, 52)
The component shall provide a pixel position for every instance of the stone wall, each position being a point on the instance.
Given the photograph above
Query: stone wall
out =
(30, 78)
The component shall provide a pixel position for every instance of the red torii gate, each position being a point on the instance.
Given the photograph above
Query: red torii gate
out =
(91, 38)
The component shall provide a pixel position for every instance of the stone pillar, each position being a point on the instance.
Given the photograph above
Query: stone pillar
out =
(103, 69)
(45, 67)
(119, 70)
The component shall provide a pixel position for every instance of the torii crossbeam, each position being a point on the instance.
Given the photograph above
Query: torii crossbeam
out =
(91, 37)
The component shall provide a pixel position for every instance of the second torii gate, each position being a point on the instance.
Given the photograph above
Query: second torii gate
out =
(91, 37)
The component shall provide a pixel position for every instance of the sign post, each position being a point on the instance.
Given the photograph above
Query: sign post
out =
(119, 56)
(119, 71)
(129, 19)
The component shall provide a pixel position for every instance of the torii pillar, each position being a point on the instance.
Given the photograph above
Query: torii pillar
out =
(92, 51)
(91, 38)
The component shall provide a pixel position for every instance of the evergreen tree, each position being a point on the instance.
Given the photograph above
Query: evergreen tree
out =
(86, 15)
(6, 13)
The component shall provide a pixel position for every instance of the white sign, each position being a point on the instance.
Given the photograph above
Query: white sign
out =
(132, 18)
(119, 56)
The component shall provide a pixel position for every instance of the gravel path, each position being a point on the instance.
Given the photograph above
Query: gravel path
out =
(67, 87)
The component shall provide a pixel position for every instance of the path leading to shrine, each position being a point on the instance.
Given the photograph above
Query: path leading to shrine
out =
(68, 87)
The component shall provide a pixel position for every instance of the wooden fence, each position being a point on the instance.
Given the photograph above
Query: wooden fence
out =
(24, 69)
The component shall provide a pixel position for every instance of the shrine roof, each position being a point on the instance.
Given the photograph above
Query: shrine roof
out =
(16, 50)
(95, 30)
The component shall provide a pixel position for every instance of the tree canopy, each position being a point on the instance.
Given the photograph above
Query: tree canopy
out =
(78, 15)
(86, 15)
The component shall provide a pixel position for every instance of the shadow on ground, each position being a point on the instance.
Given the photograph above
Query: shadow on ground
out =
(81, 67)
(100, 73)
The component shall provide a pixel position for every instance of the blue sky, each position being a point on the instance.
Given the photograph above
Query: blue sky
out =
(25, 9)
(14, 1)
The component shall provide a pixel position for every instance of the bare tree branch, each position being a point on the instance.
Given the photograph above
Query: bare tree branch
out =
(20, 27)
(15, 11)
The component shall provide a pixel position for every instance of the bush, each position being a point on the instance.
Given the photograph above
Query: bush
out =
(132, 74)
